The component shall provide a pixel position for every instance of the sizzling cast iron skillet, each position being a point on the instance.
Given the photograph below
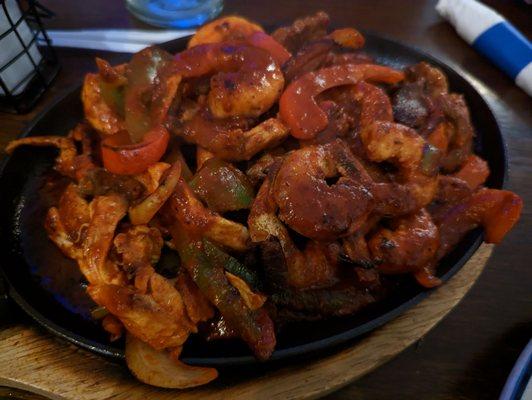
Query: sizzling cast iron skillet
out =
(49, 288)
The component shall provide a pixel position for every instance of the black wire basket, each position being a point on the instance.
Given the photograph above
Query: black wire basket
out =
(28, 62)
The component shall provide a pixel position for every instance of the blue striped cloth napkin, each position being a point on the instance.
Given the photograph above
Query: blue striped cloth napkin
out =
(493, 36)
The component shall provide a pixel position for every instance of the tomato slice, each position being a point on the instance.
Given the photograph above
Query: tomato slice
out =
(272, 46)
(122, 157)
(298, 107)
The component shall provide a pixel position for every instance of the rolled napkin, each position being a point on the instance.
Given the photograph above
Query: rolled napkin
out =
(493, 36)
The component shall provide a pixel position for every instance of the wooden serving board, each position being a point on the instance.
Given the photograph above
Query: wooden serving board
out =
(37, 362)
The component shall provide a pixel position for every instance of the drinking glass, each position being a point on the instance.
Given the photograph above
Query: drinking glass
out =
(175, 13)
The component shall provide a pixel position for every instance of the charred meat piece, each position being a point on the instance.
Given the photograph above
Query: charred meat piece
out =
(342, 299)
(411, 106)
(302, 30)
(99, 182)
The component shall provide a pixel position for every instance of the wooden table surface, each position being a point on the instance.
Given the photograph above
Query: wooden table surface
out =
(469, 355)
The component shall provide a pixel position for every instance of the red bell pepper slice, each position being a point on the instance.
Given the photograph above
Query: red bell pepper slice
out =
(298, 107)
(497, 210)
(121, 156)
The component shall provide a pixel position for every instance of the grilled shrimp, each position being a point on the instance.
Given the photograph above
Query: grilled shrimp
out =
(385, 141)
(312, 206)
(230, 28)
(409, 245)
(237, 29)
(416, 160)
(349, 109)
(312, 267)
(100, 114)
(245, 80)
(230, 139)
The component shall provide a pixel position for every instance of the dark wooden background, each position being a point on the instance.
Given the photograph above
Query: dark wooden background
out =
(469, 355)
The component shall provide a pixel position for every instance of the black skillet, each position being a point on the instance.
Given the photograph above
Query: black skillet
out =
(49, 288)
